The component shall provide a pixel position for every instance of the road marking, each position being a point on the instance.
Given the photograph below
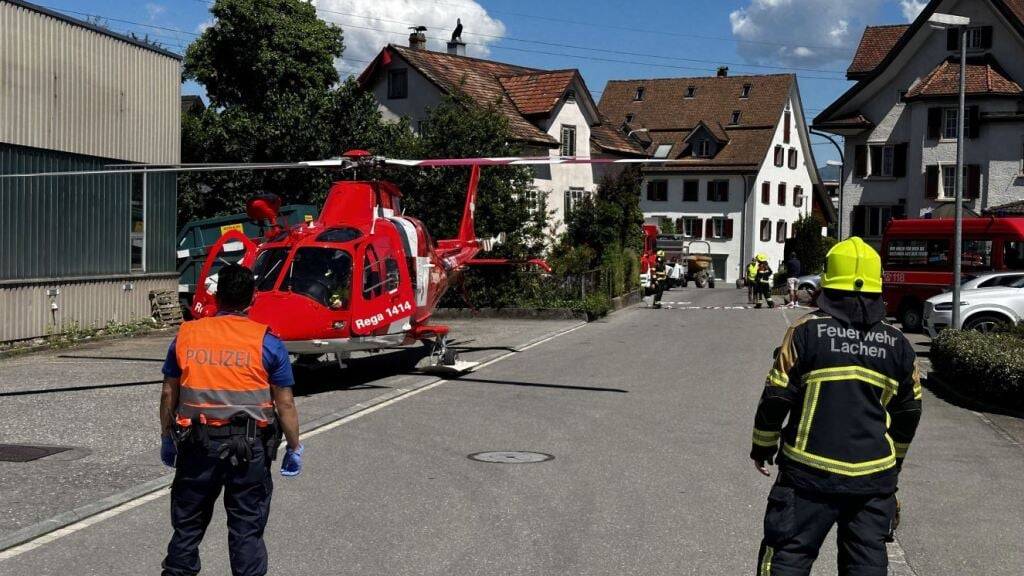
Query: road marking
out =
(402, 394)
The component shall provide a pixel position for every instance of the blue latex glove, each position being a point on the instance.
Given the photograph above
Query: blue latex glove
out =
(168, 452)
(291, 464)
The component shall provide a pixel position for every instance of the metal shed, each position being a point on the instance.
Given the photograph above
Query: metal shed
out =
(82, 249)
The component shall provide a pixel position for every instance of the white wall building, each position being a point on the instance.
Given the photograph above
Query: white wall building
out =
(744, 172)
(549, 112)
(899, 120)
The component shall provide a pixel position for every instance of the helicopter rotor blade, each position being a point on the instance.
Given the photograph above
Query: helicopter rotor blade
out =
(164, 168)
(523, 161)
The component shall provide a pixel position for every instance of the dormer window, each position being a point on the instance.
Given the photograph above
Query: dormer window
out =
(735, 117)
(629, 118)
(978, 38)
(638, 96)
(746, 91)
(702, 149)
(691, 91)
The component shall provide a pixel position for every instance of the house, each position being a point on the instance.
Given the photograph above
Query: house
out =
(76, 96)
(746, 173)
(900, 119)
(550, 112)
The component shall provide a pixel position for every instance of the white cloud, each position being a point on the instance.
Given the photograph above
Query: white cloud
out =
(801, 33)
(911, 8)
(154, 11)
(371, 24)
(202, 26)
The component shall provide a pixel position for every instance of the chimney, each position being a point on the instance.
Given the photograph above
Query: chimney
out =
(723, 71)
(457, 48)
(418, 38)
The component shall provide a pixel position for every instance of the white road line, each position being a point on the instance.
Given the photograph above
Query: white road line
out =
(135, 503)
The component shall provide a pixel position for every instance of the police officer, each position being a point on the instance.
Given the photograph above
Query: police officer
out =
(751, 280)
(848, 383)
(226, 401)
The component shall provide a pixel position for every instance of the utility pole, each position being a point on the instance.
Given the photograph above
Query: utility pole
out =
(842, 176)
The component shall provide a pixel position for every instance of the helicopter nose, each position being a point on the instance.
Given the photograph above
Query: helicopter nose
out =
(295, 317)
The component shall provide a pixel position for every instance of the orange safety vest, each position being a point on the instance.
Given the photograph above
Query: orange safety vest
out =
(222, 372)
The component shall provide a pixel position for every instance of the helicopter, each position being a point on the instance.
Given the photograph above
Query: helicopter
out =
(363, 276)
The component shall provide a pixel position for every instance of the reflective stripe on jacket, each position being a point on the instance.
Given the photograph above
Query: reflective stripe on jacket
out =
(852, 395)
(222, 372)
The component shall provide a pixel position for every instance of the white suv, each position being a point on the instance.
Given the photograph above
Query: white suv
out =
(981, 309)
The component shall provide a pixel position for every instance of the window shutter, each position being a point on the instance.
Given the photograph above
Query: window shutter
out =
(786, 129)
(857, 227)
(986, 37)
(766, 193)
(860, 162)
(899, 168)
(724, 184)
(875, 153)
(698, 228)
(709, 228)
(792, 158)
(973, 188)
(728, 228)
(974, 121)
(931, 182)
(782, 193)
(934, 123)
(952, 39)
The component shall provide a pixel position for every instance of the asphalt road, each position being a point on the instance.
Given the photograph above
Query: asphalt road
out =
(647, 415)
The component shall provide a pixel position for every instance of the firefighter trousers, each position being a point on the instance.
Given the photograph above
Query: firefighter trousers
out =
(796, 523)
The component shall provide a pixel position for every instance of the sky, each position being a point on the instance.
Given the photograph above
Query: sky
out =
(604, 39)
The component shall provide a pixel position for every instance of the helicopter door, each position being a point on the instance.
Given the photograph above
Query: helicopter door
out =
(231, 242)
(384, 301)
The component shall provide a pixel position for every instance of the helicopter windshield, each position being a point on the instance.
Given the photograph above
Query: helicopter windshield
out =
(267, 268)
(323, 274)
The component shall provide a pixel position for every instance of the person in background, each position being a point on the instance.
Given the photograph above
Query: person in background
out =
(764, 282)
(793, 272)
(751, 279)
(673, 273)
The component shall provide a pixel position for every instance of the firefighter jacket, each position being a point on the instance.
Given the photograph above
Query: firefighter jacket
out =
(222, 372)
(849, 385)
(660, 271)
(764, 276)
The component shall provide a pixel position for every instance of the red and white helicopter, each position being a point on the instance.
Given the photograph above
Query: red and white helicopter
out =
(363, 276)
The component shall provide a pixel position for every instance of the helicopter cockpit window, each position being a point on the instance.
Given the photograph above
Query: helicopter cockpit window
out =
(267, 268)
(390, 274)
(323, 274)
(339, 235)
(373, 281)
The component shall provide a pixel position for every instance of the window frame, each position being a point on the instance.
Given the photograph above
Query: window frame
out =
(735, 119)
(629, 117)
(573, 196)
(718, 228)
(781, 231)
(702, 149)
(695, 189)
(780, 156)
(393, 92)
(138, 185)
(798, 196)
(693, 223)
(954, 112)
(638, 94)
(662, 186)
(745, 91)
(792, 159)
(571, 130)
(691, 92)
(718, 185)
(658, 151)
(766, 226)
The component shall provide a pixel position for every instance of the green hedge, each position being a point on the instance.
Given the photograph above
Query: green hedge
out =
(988, 367)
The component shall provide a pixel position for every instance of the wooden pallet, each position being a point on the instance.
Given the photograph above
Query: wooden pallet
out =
(166, 307)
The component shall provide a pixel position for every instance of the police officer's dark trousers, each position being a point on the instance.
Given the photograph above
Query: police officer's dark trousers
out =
(200, 475)
(797, 521)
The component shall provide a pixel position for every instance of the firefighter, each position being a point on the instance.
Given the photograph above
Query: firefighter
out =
(751, 280)
(849, 385)
(763, 282)
(659, 277)
(226, 401)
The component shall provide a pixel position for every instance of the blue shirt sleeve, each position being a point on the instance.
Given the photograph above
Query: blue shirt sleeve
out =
(276, 362)
(171, 368)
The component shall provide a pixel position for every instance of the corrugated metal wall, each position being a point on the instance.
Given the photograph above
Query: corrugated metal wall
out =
(72, 226)
(26, 310)
(66, 87)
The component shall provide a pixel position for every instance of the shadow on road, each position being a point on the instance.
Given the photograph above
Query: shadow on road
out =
(943, 391)
(539, 385)
(78, 388)
(121, 358)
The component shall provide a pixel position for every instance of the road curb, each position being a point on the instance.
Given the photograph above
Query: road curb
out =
(934, 378)
(65, 519)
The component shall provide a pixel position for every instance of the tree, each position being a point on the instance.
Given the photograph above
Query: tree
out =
(809, 244)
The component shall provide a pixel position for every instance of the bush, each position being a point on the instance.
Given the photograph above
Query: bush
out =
(631, 268)
(595, 305)
(988, 367)
(808, 243)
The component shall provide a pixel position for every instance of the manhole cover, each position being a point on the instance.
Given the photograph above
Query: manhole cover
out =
(511, 457)
(27, 453)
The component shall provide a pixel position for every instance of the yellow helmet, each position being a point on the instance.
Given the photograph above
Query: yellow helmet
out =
(761, 257)
(854, 266)
(661, 254)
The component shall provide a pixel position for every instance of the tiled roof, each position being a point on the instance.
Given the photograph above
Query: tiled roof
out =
(1011, 209)
(610, 138)
(538, 92)
(984, 77)
(852, 121)
(669, 116)
(875, 45)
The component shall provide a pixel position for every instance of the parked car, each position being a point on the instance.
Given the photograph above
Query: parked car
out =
(981, 309)
(993, 280)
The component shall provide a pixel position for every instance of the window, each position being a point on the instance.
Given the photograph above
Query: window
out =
(949, 123)
(342, 234)
(917, 253)
(691, 91)
(1013, 254)
(691, 190)
(574, 195)
(766, 192)
(629, 118)
(735, 117)
(787, 128)
(780, 157)
(949, 181)
(746, 91)
(798, 196)
(638, 96)
(782, 193)
(323, 274)
(781, 231)
(268, 265)
(792, 158)
(940, 181)
(1001, 281)
(718, 191)
(568, 140)
(870, 221)
(657, 190)
(534, 200)
(766, 230)
(137, 236)
(881, 161)
(702, 149)
(718, 228)
(978, 38)
(398, 84)
(663, 150)
(689, 227)
(977, 254)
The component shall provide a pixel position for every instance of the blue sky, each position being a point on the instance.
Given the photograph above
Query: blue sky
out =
(605, 39)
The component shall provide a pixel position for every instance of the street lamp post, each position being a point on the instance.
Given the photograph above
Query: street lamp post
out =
(842, 176)
(945, 22)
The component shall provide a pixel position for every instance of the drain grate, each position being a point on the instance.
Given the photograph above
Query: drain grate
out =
(511, 457)
(27, 453)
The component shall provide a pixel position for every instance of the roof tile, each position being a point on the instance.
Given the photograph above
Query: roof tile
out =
(875, 45)
(538, 92)
(984, 76)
